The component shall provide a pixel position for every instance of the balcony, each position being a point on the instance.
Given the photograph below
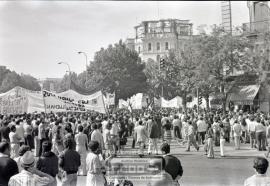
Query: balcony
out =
(257, 27)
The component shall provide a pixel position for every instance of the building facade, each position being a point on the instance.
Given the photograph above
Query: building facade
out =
(153, 39)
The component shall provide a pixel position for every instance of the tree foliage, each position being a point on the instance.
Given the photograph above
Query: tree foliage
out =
(10, 79)
(117, 69)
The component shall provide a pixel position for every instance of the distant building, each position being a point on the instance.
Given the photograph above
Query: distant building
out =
(49, 84)
(153, 39)
(253, 95)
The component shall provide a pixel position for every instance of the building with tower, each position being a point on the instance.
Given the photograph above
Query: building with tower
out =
(153, 39)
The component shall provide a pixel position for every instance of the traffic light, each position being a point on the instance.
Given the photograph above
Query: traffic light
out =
(162, 63)
(200, 100)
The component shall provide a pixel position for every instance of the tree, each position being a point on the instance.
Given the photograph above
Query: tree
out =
(11, 80)
(221, 53)
(181, 72)
(64, 85)
(29, 82)
(154, 79)
(3, 72)
(121, 69)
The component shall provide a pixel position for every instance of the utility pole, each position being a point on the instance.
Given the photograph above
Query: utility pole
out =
(197, 90)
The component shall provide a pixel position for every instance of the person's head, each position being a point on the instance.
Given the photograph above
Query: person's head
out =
(13, 128)
(94, 146)
(23, 149)
(5, 148)
(260, 165)
(94, 126)
(109, 126)
(140, 122)
(27, 160)
(165, 148)
(46, 146)
(68, 143)
(80, 128)
(158, 163)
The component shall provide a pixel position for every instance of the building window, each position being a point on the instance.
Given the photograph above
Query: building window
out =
(158, 46)
(166, 46)
(149, 46)
(158, 58)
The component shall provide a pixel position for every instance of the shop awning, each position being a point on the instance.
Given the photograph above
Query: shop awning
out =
(243, 95)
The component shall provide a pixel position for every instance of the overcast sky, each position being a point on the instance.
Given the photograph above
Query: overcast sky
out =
(35, 35)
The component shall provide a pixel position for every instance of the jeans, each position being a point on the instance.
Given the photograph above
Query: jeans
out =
(222, 142)
(176, 132)
(201, 137)
(191, 141)
(252, 139)
(69, 180)
(153, 142)
(237, 142)
(260, 138)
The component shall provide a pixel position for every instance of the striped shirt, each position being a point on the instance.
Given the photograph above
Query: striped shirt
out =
(26, 178)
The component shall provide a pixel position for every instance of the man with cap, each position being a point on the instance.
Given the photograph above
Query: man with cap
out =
(30, 176)
(8, 167)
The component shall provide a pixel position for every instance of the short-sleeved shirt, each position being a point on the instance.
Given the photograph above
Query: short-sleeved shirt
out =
(257, 180)
(26, 178)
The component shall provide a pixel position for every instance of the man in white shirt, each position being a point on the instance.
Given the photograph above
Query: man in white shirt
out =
(259, 178)
(201, 128)
(237, 130)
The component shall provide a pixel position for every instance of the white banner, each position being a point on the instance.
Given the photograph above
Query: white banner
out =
(109, 99)
(35, 103)
(173, 103)
(73, 101)
(15, 101)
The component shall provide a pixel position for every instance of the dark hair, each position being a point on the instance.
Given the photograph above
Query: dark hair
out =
(46, 146)
(80, 128)
(94, 126)
(260, 165)
(68, 143)
(140, 122)
(165, 147)
(93, 145)
(4, 146)
(23, 149)
(13, 128)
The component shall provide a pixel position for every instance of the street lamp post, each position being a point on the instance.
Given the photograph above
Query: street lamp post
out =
(86, 63)
(68, 70)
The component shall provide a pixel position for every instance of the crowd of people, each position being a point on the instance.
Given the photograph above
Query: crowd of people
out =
(39, 148)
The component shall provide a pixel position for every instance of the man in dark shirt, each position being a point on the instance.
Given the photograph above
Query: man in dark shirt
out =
(69, 162)
(8, 167)
(48, 162)
(172, 164)
(4, 131)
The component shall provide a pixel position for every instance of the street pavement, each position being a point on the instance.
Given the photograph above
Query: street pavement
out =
(230, 170)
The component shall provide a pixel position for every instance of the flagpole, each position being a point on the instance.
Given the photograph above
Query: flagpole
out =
(44, 102)
(104, 103)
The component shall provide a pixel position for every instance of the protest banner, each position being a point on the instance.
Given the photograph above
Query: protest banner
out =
(73, 101)
(15, 101)
(173, 103)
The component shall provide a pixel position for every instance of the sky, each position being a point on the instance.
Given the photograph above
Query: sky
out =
(36, 35)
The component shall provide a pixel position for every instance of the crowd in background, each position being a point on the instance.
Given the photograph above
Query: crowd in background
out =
(52, 146)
